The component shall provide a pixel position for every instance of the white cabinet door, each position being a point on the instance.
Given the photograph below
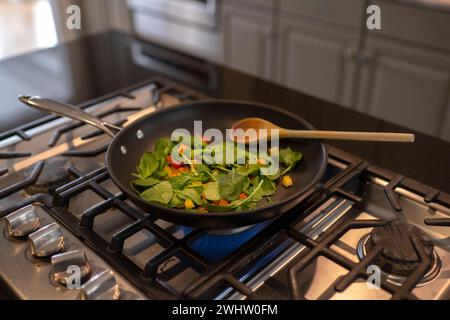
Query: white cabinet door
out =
(316, 60)
(406, 85)
(248, 42)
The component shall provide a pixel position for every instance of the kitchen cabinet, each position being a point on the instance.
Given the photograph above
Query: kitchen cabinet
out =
(302, 52)
(248, 41)
(405, 77)
(317, 60)
(399, 73)
(405, 84)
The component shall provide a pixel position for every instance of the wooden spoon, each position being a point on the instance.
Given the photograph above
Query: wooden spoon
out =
(258, 123)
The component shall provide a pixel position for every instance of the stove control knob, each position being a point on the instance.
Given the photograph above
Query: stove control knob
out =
(102, 286)
(22, 222)
(47, 240)
(65, 264)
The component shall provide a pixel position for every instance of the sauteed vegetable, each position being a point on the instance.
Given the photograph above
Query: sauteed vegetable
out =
(208, 188)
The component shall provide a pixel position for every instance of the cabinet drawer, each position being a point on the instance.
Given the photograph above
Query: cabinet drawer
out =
(416, 25)
(345, 12)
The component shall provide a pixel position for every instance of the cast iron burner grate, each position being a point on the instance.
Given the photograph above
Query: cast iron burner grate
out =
(399, 255)
(55, 172)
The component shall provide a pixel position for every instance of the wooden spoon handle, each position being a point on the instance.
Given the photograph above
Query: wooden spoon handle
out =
(348, 135)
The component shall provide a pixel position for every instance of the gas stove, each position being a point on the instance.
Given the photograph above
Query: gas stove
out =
(363, 232)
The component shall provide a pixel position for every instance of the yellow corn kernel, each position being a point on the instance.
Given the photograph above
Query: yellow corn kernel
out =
(287, 181)
(167, 169)
(189, 204)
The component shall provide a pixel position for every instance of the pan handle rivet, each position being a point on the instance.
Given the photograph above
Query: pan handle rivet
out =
(140, 134)
(123, 149)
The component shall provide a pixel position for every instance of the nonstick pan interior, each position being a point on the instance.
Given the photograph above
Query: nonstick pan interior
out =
(126, 149)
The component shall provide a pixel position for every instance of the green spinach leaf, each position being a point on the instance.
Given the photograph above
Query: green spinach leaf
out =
(249, 169)
(268, 187)
(274, 176)
(148, 164)
(190, 193)
(253, 197)
(179, 182)
(289, 158)
(201, 167)
(147, 182)
(161, 193)
(212, 191)
(163, 146)
(176, 202)
(231, 185)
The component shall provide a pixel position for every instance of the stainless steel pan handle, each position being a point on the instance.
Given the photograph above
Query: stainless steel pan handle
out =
(69, 111)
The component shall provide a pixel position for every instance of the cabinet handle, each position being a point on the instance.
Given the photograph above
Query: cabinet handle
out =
(265, 31)
(364, 57)
(349, 52)
(360, 57)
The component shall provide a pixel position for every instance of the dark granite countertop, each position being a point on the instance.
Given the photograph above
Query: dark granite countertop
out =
(87, 68)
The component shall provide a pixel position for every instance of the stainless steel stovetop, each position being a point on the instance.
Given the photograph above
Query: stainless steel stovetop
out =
(60, 210)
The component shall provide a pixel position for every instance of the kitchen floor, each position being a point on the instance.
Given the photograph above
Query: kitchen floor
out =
(25, 25)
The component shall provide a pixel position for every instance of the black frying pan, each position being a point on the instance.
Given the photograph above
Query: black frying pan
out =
(126, 149)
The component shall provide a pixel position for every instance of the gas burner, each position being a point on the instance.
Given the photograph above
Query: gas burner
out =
(214, 246)
(399, 258)
(227, 232)
(54, 174)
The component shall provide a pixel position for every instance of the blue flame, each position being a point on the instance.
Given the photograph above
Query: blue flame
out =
(216, 247)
